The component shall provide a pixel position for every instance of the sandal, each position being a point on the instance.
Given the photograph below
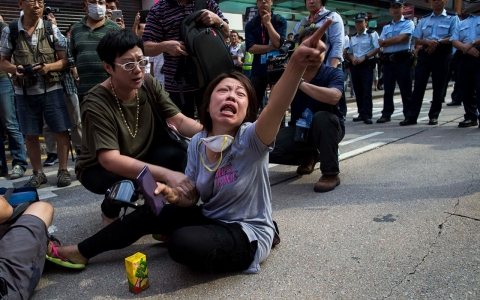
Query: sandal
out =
(59, 260)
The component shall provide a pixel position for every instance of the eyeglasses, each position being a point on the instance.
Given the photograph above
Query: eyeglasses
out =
(41, 3)
(101, 2)
(131, 65)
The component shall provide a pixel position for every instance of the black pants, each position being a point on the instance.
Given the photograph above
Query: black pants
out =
(325, 134)
(166, 154)
(469, 79)
(195, 241)
(362, 79)
(189, 102)
(399, 72)
(260, 85)
(437, 66)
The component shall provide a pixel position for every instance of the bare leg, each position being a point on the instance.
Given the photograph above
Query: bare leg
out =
(63, 143)
(42, 210)
(33, 150)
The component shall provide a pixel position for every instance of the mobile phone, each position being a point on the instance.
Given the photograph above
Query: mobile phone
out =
(116, 14)
(143, 16)
(147, 185)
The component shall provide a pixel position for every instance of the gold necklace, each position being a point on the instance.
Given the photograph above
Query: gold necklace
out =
(121, 112)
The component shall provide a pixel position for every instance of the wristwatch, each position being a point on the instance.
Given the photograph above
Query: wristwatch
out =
(473, 42)
(301, 81)
(439, 41)
(221, 25)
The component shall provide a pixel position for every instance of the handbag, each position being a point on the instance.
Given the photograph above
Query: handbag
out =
(20, 199)
(172, 132)
(471, 7)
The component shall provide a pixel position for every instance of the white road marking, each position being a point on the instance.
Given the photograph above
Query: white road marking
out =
(363, 137)
(360, 150)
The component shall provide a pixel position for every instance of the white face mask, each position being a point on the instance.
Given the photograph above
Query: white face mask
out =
(218, 143)
(97, 12)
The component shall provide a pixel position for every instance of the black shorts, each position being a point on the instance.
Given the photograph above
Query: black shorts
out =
(22, 257)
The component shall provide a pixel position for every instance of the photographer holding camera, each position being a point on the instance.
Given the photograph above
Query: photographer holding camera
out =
(264, 33)
(38, 51)
(316, 125)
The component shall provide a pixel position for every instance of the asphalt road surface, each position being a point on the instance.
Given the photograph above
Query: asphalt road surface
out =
(403, 224)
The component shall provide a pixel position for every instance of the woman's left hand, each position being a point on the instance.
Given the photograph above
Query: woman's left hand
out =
(182, 183)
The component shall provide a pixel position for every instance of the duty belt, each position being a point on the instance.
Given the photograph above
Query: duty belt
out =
(396, 57)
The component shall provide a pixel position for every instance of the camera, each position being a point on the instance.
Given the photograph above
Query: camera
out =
(276, 63)
(28, 71)
(47, 10)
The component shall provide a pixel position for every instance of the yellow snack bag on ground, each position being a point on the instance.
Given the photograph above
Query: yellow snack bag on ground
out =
(137, 272)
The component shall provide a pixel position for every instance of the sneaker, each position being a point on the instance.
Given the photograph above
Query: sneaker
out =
(63, 177)
(37, 179)
(17, 172)
(52, 159)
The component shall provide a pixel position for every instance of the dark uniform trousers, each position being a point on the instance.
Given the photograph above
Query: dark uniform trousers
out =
(362, 79)
(436, 65)
(325, 134)
(469, 80)
(400, 72)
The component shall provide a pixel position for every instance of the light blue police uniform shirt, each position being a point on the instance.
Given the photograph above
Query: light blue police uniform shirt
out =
(361, 45)
(436, 27)
(467, 30)
(335, 35)
(394, 29)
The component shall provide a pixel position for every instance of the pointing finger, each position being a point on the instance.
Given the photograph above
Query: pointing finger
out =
(315, 38)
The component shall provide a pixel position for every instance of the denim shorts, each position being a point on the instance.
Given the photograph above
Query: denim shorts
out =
(33, 109)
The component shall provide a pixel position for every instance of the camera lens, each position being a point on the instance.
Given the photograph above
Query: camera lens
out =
(47, 10)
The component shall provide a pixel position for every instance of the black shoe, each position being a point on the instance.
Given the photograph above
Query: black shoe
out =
(383, 120)
(408, 121)
(468, 123)
(433, 121)
(380, 88)
(51, 160)
(453, 103)
(367, 121)
(358, 119)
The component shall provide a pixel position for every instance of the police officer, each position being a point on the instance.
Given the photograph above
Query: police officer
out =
(363, 48)
(466, 39)
(396, 39)
(433, 34)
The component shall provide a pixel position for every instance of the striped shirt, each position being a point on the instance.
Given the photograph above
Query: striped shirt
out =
(69, 86)
(163, 24)
(83, 44)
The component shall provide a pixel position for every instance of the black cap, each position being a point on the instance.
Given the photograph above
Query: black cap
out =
(361, 17)
(393, 2)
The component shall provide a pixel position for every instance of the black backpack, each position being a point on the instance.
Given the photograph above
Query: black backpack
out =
(208, 55)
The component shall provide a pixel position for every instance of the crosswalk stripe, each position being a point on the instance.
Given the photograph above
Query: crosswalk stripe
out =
(363, 137)
(46, 193)
(360, 150)
(9, 183)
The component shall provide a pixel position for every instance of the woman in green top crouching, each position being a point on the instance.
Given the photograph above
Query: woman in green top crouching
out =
(121, 133)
